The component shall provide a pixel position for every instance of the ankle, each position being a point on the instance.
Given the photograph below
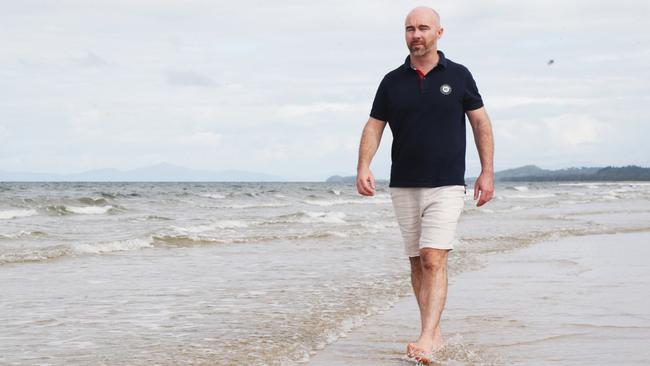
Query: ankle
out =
(425, 340)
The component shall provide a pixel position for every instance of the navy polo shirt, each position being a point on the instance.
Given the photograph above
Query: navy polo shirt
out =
(426, 114)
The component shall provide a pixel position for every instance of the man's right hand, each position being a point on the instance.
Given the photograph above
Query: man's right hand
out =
(365, 182)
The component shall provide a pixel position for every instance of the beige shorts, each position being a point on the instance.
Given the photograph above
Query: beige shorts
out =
(428, 217)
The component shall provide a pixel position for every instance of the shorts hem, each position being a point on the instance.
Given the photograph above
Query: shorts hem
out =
(437, 247)
(417, 254)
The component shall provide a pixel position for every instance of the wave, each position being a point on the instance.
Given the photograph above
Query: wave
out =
(93, 201)
(156, 217)
(222, 224)
(110, 195)
(214, 196)
(252, 205)
(35, 255)
(528, 196)
(90, 210)
(378, 199)
(518, 188)
(183, 240)
(12, 214)
(21, 234)
(61, 250)
(168, 240)
(310, 217)
(113, 246)
(596, 184)
(83, 210)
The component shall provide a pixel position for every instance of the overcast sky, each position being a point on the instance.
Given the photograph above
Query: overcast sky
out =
(285, 87)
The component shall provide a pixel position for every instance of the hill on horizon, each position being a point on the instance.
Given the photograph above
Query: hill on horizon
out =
(534, 173)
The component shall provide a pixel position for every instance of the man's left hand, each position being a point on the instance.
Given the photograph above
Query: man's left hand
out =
(484, 187)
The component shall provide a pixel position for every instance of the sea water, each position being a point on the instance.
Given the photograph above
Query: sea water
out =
(240, 273)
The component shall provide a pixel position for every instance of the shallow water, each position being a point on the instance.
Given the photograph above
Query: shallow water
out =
(201, 273)
(573, 301)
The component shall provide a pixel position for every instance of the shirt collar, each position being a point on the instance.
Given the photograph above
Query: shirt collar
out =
(441, 62)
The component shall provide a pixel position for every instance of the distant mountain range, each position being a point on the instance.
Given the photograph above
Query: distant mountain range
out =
(610, 173)
(163, 172)
(533, 173)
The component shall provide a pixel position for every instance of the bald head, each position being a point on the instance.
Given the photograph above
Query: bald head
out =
(422, 32)
(423, 15)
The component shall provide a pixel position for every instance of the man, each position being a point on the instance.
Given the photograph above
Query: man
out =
(425, 101)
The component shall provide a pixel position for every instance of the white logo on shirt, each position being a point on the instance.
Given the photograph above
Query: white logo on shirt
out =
(445, 89)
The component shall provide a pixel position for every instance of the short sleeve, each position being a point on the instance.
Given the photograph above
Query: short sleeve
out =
(380, 106)
(471, 99)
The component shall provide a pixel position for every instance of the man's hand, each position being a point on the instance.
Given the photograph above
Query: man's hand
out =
(365, 182)
(484, 186)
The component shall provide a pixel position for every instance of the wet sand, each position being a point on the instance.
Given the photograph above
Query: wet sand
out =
(575, 301)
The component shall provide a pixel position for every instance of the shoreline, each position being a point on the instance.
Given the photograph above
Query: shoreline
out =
(542, 303)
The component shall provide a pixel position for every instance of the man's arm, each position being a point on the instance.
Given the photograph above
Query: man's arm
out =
(482, 128)
(370, 139)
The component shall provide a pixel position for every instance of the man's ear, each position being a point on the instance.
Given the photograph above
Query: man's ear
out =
(440, 32)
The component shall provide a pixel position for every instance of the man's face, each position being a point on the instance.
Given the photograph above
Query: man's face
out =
(422, 33)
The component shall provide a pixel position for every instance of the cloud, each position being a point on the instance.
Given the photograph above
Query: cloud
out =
(197, 139)
(82, 81)
(301, 110)
(497, 102)
(93, 60)
(189, 78)
(576, 129)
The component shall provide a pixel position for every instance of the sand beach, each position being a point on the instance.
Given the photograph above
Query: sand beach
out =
(575, 301)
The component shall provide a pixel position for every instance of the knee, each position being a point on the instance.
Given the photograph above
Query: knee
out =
(432, 263)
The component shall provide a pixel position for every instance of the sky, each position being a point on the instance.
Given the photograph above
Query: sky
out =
(285, 87)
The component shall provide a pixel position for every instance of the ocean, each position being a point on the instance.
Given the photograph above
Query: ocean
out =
(243, 273)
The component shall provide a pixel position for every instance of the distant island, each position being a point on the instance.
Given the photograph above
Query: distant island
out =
(533, 173)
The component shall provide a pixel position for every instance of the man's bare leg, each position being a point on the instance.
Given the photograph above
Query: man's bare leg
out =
(416, 281)
(429, 281)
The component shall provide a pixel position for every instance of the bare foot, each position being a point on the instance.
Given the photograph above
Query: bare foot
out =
(419, 354)
(424, 353)
(433, 346)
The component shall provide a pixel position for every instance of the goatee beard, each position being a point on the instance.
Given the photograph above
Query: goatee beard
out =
(421, 52)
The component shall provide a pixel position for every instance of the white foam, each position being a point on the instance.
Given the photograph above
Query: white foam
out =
(378, 199)
(89, 210)
(520, 188)
(221, 224)
(330, 202)
(374, 225)
(588, 185)
(255, 205)
(596, 184)
(114, 246)
(334, 217)
(16, 235)
(529, 196)
(339, 234)
(214, 195)
(10, 214)
(34, 255)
